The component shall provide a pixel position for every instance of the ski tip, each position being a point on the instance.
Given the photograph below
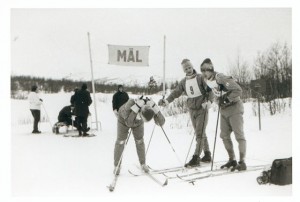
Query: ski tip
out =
(179, 176)
(164, 175)
(110, 188)
(166, 183)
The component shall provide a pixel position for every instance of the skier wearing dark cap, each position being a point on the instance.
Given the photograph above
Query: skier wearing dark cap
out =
(228, 95)
(82, 101)
(119, 98)
(198, 103)
(132, 115)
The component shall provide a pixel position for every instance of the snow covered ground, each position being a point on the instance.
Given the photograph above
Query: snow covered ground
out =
(52, 165)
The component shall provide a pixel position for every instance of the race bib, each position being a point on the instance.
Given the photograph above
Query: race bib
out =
(212, 84)
(215, 87)
(192, 88)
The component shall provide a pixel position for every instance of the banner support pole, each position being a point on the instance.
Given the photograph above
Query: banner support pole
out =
(93, 82)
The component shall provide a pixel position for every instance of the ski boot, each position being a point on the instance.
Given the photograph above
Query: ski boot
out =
(230, 163)
(85, 134)
(240, 167)
(145, 168)
(117, 170)
(195, 161)
(207, 157)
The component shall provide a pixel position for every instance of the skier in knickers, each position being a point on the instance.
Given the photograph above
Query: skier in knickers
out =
(228, 94)
(132, 115)
(198, 102)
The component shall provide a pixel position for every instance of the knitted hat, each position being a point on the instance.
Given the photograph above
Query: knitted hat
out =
(84, 86)
(147, 112)
(186, 63)
(209, 67)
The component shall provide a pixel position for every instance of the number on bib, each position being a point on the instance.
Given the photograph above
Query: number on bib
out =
(192, 90)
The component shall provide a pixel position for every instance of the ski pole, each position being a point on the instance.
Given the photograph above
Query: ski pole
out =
(152, 130)
(212, 162)
(150, 139)
(171, 145)
(189, 149)
(119, 163)
(90, 117)
(47, 115)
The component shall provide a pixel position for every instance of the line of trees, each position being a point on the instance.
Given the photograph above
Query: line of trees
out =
(21, 84)
(273, 66)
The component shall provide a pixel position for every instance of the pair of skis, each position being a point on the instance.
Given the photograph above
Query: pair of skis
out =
(193, 177)
(198, 174)
(112, 186)
(151, 176)
(188, 177)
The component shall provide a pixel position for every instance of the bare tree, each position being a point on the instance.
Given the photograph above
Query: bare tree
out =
(239, 69)
(275, 67)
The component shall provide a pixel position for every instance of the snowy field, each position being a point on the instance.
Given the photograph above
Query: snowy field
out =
(53, 165)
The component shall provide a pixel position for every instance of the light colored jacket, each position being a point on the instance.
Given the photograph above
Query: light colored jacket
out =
(128, 117)
(34, 101)
(228, 85)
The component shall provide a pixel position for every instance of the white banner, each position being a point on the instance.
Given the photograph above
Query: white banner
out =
(128, 55)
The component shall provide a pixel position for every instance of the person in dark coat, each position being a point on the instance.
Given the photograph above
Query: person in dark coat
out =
(82, 101)
(65, 118)
(72, 100)
(65, 115)
(119, 98)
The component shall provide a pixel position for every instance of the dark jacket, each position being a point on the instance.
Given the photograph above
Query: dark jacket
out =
(119, 99)
(72, 100)
(65, 114)
(82, 101)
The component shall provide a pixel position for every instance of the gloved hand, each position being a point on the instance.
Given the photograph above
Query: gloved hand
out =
(163, 102)
(41, 100)
(206, 105)
(138, 105)
(116, 113)
(224, 101)
(152, 104)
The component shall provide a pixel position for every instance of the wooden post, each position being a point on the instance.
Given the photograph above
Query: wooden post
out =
(93, 83)
(259, 120)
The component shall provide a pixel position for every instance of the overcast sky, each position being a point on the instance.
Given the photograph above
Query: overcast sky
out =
(53, 42)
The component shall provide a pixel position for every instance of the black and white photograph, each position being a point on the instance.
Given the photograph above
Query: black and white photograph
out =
(180, 102)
